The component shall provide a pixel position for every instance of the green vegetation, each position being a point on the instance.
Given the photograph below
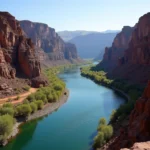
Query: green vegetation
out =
(6, 126)
(23, 110)
(133, 91)
(26, 88)
(33, 106)
(34, 102)
(105, 132)
(39, 104)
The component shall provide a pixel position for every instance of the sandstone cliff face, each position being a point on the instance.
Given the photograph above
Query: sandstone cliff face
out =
(138, 129)
(17, 53)
(47, 39)
(135, 64)
(116, 51)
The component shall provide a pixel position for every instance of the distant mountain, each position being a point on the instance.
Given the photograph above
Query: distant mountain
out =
(91, 45)
(68, 35)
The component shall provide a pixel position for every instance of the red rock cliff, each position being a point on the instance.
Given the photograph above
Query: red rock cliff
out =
(47, 39)
(17, 53)
(136, 64)
(138, 129)
(113, 53)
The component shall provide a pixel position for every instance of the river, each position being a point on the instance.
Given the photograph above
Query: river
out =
(72, 126)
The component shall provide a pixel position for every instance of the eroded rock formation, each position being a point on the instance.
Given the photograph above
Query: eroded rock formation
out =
(135, 64)
(17, 53)
(138, 129)
(48, 40)
(116, 51)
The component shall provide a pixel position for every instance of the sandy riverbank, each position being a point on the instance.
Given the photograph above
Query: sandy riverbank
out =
(48, 108)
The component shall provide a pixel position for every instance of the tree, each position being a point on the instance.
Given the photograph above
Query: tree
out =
(23, 110)
(7, 110)
(33, 107)
(39, 104)
(108, 131)
(102, 121)
(99, 140)
(6, 126)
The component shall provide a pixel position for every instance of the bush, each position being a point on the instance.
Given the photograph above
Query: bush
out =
(26, 101)
(40, 95)
(50, 98)
(23, 110)
(99, 140)
(33, 107)
(31, 98)
(58, 87)
(108, 131)
(26, 88)
(102, 121)
(7, 105)
(39, 104)
(7, 110)
(105, 132)
(6, 126)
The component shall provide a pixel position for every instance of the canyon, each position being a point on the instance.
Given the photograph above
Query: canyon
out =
(19, 64)
(116, 51)
(129, 59)
(135, 64)
(49, 46)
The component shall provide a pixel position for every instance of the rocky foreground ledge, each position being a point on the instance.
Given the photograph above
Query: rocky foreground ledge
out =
(47, 109)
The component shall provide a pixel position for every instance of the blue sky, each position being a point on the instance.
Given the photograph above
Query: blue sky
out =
(93, 15)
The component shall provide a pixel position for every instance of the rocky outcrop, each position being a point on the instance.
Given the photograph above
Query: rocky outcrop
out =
(116, 51)
(48, 40)
(139, 146)
(17, 53)
(135, 64)
(138, 129)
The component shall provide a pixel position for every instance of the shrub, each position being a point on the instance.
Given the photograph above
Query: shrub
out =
(26, 101)
(33, 107)
(58, 87)
(26, 88)
(39, 104)
(7, 105)
(40, 95)
(99, 140)
(102, 121)
(23, 110)
(108, 131)
(7, 110)
(104, 133)
(50, 98)
(31, 98)
(6, 126)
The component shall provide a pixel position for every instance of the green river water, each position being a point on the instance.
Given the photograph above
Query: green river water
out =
(73, 125)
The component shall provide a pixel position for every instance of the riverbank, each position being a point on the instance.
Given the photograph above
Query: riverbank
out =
(47, 109)
(121, 92)
(118, 117)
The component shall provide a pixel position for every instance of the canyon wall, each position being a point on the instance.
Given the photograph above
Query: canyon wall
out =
(139, 122)
(17, 53)
(46, 39)
(116, 51)
(135, 64)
